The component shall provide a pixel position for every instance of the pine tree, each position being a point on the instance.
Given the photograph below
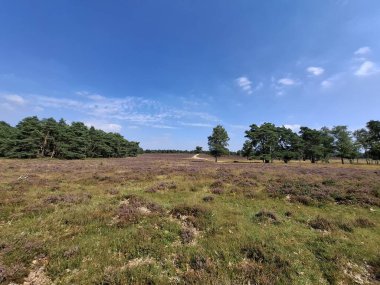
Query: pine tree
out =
(27, 143)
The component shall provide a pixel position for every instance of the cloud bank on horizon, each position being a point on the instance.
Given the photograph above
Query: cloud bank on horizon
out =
(165, 73)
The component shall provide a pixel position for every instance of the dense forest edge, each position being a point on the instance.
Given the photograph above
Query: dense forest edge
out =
(33, 138)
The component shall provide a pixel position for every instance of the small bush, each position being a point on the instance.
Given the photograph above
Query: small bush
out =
(345, 227)
(305, 200)
(71, 252)
(133, 209)
(68, 198)
(208, 199)
(265, 216)
(375, 268)
(216, 184)
(161, 187)
(328, 182)
(186, 210)
(217, 191)
(187, 236)
(198, 262)
(263, 266)
(363, 223)
(112, 191)
(320, 223)
(196, 216)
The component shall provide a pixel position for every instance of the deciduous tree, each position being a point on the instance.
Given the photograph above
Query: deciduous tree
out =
(218, 142)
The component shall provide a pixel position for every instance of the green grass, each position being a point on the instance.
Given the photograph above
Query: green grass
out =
(83, 241)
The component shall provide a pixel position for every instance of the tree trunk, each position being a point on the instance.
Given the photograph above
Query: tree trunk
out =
(216, 159)
(342, 160)
(312, 160)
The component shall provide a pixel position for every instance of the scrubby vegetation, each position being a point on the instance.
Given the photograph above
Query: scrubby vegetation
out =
(168, 219)
(33, 138)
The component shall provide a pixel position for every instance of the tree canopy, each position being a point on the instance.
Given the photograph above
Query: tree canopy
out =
(218, 142)
(33, 138)
(268, 142)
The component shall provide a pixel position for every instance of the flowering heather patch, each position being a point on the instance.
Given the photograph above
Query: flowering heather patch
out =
(166, 218)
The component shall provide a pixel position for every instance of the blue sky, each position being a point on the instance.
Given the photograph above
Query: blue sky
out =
(165, 72)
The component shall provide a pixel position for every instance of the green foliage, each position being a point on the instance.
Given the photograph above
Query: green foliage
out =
(369, 140)
(343, 144)
(33, 138)
(269, 142)
(218, 142)
(247, 150)
(264, 140)
(374, 139)
(28, 139)
(317, 144)
(289, 145)
(7, 136)
(198, 149)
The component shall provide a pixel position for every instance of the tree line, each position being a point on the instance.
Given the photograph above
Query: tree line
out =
(269, 142)
(32, 138)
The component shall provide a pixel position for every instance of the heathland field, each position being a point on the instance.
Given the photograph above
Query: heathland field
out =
(174, 219)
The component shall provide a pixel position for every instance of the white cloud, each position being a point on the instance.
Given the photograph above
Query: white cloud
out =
(201, 125)
(14, 99)
(90, 95)
(245, 84)
(367, 68)
(158, 126)
(314, 70)
(335, 79)
(107, 127)
(286, 81)
(363, 51)
(326, 83)
(293, 127)
(105, 111)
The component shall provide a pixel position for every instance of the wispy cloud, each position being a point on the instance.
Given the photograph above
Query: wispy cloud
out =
(314, 70)
(333, 80)
(286, 81)
(14, 99)
(326, 83)
(201, 125)
(362, 51)
(367, 68)
(245, 84)
(282, 84)
(109, 113)
(158, 126)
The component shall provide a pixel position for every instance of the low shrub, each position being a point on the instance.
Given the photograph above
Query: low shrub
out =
(322, 224)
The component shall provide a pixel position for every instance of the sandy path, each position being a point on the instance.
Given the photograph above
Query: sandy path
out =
(196, 156)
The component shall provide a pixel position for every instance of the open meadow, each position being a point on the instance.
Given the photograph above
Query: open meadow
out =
(176, 219)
